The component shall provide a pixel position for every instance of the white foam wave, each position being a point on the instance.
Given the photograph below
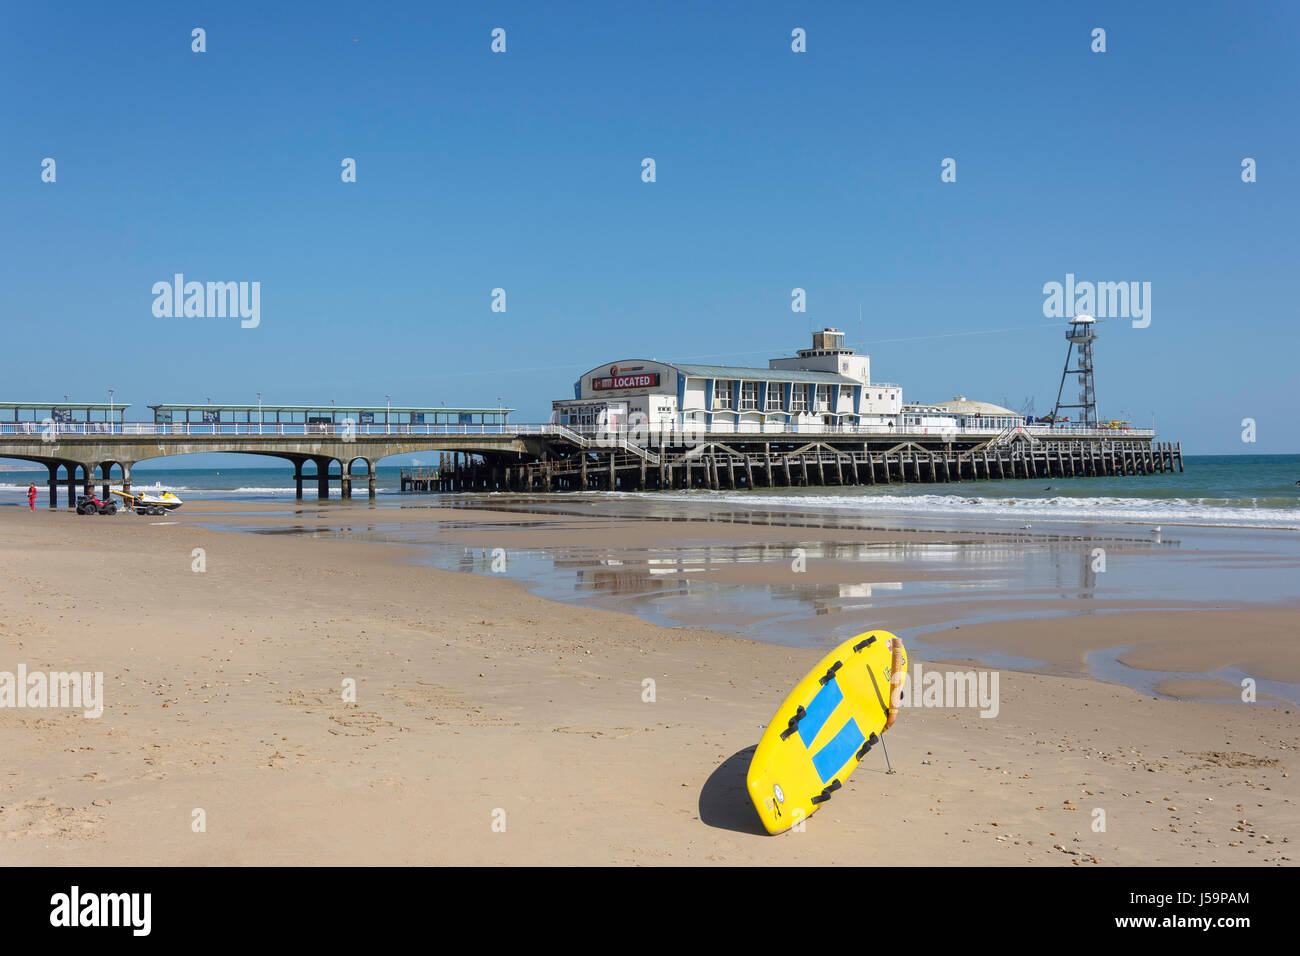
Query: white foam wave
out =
(1245, 513)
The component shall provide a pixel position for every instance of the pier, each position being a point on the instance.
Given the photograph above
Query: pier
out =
(719, 465)
(495, 455)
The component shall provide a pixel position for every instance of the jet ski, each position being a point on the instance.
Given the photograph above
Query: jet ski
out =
(150, 502)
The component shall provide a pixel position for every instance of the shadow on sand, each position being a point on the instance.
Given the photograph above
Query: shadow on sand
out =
(724, 798)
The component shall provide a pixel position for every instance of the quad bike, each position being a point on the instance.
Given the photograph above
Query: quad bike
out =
(90, 505)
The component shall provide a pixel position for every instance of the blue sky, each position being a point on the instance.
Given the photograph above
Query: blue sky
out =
(775, 170)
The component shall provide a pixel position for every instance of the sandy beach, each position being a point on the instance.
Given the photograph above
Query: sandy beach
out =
(494, 726)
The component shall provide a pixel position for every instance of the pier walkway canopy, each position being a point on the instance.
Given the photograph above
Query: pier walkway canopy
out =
(326, 419)
(31, 418)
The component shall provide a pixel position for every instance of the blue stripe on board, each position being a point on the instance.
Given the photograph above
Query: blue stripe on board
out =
(834, 755)
(819, 711)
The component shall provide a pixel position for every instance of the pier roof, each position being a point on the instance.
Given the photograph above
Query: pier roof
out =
(44, 406)
(966, 406)
(763, 374)
(418, 409)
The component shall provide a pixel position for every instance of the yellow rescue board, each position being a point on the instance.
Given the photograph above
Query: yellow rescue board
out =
(830, 721)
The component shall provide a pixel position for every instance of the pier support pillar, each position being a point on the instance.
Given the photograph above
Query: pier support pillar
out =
(54, 485)
(297, 478)
(323, 478)
(346, 474)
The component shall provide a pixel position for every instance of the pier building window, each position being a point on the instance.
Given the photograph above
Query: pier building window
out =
(823, 398)
(722, 394)
(799, 398)
(774, 392)
(748, 396)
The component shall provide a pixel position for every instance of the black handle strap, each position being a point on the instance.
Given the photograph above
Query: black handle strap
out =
(866, 748)
(794, 722)
(826, 794)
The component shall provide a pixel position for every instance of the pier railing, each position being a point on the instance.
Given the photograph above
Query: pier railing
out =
(295, 429)
(629, 438)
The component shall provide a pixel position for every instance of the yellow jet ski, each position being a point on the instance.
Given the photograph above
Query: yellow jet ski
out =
(150, 502)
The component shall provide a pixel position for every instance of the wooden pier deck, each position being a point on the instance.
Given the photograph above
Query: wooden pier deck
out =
(718, 464)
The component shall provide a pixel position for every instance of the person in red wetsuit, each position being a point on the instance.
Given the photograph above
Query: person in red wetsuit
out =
(31, 497)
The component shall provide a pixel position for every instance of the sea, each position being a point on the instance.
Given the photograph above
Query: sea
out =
(1223, 532)
(1231, 491)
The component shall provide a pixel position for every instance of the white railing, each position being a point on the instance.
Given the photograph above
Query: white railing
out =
(622, 437)
(650, 434)
(270, 429)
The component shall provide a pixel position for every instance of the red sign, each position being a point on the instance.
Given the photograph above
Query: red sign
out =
(649, 380)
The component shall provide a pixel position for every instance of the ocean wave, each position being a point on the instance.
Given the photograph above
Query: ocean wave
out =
(308, 485)
(1226, 512)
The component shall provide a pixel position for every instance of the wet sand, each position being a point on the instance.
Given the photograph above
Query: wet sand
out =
(479, 702)
(1041, 601)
